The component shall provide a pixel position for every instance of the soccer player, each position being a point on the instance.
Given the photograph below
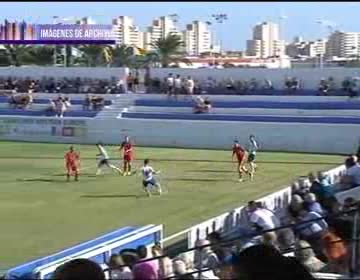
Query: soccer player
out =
(241, 155)
(72, 162)
(104, 159)
(127, 156)
(148, 177)
(252, 148)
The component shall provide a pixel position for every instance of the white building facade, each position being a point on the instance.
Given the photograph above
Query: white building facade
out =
(197, 38)
(343, 44)
(265, 41)
(126, 33)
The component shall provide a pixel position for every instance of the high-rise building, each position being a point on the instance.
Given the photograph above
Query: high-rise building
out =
(160, 28)
(86, 20)
(265, 41)
(306, 48)
(343, 44)
(197, 38)
(126, 33)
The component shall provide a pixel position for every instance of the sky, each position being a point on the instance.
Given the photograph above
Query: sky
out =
(300, 19)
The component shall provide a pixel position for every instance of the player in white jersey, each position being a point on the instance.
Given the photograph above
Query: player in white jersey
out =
(104, 159)
(148, 177)
(252, 148)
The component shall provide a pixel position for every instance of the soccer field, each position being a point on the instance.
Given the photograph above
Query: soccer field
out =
(41, 213)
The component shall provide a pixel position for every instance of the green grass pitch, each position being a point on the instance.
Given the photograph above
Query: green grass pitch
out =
(40, 213)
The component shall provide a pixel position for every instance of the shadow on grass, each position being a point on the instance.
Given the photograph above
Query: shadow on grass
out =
(42, 180)
(198, 180)
(113, 196)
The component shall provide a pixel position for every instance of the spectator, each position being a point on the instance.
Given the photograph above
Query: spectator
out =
(79, 269)
(60, 107)
(202, 105)
(305, 254)
(270, 239)
(181, 272)
(311, 204)
(217, 247)
(311, 229)
(286, 239)
(261, 219)
(166, 268)
(323, 87)
(117, 268)
(177, 85)
(170, 84)
(336, 252)
(268, 84)
(130, 82)
(262, 262)
(351, 179)
(136, 81)
(204, 257)
(295, 206)
(189, 86)
(145, 269)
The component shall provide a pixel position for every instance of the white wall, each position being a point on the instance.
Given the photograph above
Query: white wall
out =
(309, 77)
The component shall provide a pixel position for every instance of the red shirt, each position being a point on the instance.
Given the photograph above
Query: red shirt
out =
(128, 148)
(71, 158)
(238, 151)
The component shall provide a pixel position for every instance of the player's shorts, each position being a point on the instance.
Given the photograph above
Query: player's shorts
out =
(71, 168)
(151, 182)
(103, 162)
(127, 158)
(251, 157)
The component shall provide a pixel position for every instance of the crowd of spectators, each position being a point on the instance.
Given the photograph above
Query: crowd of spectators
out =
(177, 85)
(62, 85)
(310, 236)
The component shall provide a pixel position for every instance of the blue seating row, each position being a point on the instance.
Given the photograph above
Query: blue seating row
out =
(343, 105)
(243, 118)
(20, 112)
(300, 92)
(4, 99)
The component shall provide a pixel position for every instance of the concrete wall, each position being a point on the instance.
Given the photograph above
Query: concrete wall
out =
(309, 77)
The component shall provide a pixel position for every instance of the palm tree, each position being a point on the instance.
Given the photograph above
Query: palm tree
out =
(95, 55)
(39, 55)
(122, 56)
(17, 53)
(168, 50)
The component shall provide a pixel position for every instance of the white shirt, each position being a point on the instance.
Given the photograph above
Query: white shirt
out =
(253, 147)
(264, 218)
(147, 172)
(354, 172)
(190, 84)
(103, 153)
(170, 81)
(177, 82)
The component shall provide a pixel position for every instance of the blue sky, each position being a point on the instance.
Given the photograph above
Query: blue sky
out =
(301, 16)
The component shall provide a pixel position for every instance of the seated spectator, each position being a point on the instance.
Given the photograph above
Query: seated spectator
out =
(295, 206)
(79, 269)
(202, 105)
(187, 259)
(117, 268)
(288, 83)
(87, 102)
(268, 84)
(218, 248)
(145, 269)
(266, 263)
(166, 268)
(336, 252)
(20, 101)
(295, 84)
(305, 254)
(52, 107)
(253, 84)
(311, 229)
(312, 205)
(351, 179)
(346, 84)
(299, 188)
(204, 257)
(286, 239)
(97, 102)
(270, 239)
(260, 218)
(181, 272)
(323, 87)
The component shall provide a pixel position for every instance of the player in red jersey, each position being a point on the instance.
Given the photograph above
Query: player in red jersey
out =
(128, 147)
(241, 155)
(72, 162)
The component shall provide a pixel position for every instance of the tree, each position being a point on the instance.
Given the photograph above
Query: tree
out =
(39, 55)
(17, 54)
(168, 50)
(122, 56)
(95, 55)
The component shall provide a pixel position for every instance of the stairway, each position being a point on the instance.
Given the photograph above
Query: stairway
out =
(119, 104)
